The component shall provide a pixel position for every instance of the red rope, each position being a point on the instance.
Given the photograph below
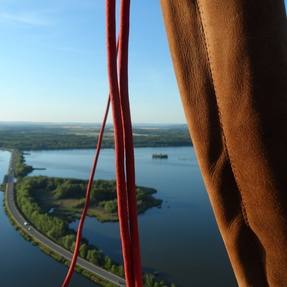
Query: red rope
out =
(124, 153)
(119, 142)
(87, 202)
(128, 139)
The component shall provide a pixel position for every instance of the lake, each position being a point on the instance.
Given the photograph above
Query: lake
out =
(180, 240)
(23, 264)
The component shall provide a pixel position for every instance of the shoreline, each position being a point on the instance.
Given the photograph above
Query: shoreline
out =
(46, 250)
(151, 277)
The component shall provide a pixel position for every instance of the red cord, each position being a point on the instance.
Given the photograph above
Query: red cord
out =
(124, 152)
(87, 202)
(128, 139)
(119, 143)
(87, 199)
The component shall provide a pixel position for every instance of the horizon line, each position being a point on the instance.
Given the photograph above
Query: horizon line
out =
(88, 123)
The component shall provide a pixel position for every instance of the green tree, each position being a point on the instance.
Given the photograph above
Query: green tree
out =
(92, 256)
(83, 250)
(108, 263)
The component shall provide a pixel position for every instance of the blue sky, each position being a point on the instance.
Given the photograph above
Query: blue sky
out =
(53, 62)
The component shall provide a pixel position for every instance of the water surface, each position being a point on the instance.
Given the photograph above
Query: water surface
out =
(180, 240)
(22, 264)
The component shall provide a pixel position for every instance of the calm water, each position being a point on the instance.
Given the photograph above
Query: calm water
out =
(22, 264)
(180, 240)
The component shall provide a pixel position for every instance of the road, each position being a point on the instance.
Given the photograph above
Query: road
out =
(39, 237)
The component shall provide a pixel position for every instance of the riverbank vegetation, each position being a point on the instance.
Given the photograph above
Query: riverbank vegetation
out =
(56, 227)
(19, 165)
(4, 182)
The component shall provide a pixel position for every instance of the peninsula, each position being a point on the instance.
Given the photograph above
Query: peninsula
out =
(65, 198)
(50, 204)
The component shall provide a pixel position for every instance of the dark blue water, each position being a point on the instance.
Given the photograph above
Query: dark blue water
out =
(180, 240)
(22, 264)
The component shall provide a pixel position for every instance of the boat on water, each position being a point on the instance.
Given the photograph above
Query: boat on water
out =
(160, 156)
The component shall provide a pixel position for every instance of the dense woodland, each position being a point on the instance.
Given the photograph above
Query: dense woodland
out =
(67, 196)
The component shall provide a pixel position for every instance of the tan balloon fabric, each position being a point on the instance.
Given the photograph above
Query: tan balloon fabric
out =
(231, 65)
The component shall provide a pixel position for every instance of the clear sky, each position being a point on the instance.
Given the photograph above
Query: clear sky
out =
(53, 62)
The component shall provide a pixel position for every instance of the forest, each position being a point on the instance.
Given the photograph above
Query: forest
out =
(27, 137)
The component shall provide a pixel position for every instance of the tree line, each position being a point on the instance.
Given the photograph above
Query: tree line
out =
(61, 137)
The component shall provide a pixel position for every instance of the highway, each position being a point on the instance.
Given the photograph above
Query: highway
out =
(39, 237)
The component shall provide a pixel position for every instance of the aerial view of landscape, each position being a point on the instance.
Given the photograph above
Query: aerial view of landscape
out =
(179, 237)
(143, 143)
